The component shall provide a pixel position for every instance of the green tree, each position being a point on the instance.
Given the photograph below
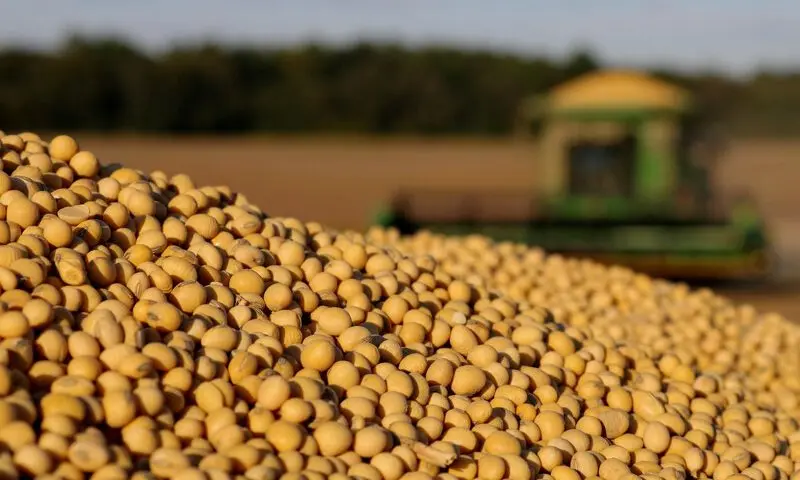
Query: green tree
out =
(108, 85)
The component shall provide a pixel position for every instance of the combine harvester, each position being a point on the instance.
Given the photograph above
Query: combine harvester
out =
(624, 178)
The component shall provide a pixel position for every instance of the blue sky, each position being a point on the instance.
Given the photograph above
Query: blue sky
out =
(734, 35)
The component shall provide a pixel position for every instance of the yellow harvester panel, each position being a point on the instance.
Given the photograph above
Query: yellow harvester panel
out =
(616, 89)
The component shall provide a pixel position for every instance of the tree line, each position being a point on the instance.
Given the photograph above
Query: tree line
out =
(107, 85)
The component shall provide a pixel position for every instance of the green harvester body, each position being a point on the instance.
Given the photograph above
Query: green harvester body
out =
(624, 177)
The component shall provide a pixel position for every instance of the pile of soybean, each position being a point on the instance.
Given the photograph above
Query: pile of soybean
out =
(758, 353)
(154, 328)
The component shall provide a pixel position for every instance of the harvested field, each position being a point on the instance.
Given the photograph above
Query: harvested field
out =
(351, 176)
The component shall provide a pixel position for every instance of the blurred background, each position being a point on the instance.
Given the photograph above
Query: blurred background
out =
(324, 110)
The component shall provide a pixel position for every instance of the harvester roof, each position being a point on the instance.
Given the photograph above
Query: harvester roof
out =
(616, 90)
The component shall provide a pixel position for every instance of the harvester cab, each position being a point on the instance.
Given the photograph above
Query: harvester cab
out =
(625, 176)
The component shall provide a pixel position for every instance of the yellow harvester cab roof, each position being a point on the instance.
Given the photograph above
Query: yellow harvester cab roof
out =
(616, 89)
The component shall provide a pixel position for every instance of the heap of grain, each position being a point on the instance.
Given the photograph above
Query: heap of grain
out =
(756, 352)
(153, 328)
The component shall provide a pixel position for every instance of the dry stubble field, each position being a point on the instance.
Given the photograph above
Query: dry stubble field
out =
(340, 181)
